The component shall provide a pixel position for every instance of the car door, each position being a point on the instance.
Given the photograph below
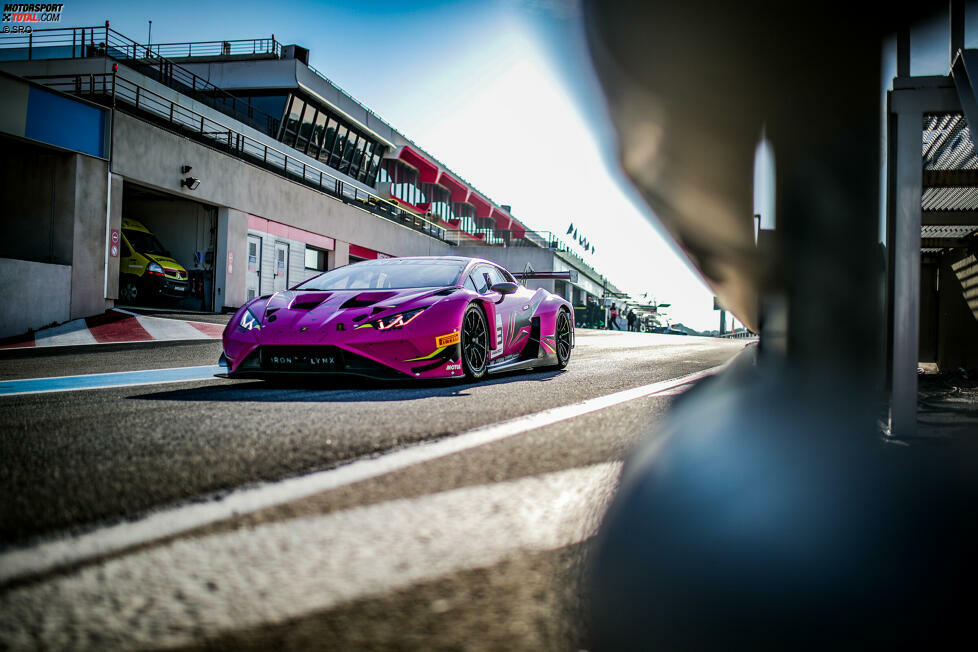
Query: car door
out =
(519, 308)
(506, 308)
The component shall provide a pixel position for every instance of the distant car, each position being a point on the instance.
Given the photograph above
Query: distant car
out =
(421, 317)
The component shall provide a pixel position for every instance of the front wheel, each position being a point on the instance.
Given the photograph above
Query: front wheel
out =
(129, 291)
(475, 343)
(562, 335)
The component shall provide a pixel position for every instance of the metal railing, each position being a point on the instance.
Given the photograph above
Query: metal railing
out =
(236, 47)
(111, 89)
(87, 42)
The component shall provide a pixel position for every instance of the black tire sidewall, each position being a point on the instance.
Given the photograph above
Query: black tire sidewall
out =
(561, 363)
(469, 372)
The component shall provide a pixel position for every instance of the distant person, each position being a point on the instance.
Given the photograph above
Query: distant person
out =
(613, 318)
(631, 320)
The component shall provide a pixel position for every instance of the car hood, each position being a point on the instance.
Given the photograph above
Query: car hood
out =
(341, 309)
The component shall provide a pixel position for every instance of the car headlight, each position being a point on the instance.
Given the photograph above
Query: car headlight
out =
(154, 269)
(399, 320)
(248, 321)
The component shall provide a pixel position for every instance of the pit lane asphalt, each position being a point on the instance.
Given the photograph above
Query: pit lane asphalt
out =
(71, 460)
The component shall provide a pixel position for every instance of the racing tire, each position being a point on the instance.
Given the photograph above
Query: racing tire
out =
(129, 290)
(562, 339)
(474, 343)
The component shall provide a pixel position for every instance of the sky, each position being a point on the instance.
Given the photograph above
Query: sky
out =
(500, 91)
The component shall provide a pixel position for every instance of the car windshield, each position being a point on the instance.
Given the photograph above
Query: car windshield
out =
(145, 243)
(388, 274)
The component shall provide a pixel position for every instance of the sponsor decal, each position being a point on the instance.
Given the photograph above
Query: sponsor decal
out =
(495, 353)
(453, 366)
(446, 340)
(29, 13)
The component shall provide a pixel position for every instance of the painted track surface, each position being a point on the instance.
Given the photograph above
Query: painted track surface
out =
(76, 461)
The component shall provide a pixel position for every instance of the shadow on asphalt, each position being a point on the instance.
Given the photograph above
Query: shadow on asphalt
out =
(337, 389)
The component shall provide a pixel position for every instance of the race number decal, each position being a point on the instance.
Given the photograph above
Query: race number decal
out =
(498, 351)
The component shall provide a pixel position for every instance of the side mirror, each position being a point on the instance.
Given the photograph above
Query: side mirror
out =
(504, 288)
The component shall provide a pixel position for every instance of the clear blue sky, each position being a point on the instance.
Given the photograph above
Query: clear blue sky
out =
(500, 91)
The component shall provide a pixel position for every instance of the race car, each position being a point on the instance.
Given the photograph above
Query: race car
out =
(397, 318)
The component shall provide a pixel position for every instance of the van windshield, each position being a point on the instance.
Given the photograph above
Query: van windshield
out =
(145, 243)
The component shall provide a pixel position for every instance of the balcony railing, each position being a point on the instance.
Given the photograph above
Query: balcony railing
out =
(86, 42)
(237, 47)
(113, 90)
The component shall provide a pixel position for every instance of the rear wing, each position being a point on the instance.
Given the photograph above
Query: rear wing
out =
(529, 274)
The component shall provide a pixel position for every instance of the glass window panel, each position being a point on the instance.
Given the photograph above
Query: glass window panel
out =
(317, 134)
(358, 155)
(292, 121)
(384, 175)
(337, 150)
(329, 140)
(348, 150)
(305, 128)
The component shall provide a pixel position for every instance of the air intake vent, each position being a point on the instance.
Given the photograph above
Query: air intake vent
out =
(309, 301)
(367, 299)
(444, 292)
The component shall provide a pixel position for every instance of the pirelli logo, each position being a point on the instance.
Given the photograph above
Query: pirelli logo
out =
(446, 340)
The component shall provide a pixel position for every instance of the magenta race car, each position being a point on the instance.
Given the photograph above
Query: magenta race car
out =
(423, 317)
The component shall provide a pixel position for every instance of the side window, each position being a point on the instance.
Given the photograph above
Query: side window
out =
(479, 278)
(496, 275)
(126, 251)
(469, 283)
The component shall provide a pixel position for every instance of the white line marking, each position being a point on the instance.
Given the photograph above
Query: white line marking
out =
(190, 590)
(169, 522)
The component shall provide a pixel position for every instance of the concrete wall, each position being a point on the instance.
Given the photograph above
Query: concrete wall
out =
(34, 295)
(152, 156)
(115, 222)
(339, 256)
(232, 236)
(958, 307)
(90, 242)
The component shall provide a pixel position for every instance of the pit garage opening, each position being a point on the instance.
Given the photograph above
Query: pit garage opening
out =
(168, 251)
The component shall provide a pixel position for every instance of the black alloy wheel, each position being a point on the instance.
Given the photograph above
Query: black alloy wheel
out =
(475, 343)
(562, 334)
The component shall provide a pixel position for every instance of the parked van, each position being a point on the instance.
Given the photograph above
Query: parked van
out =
(146, 269)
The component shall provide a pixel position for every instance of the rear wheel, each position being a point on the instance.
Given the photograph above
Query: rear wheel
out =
(562, 335)
(475, 343)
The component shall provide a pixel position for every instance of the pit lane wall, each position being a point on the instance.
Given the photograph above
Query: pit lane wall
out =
(22, 285)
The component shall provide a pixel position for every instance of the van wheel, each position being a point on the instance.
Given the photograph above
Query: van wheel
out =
(129, 290)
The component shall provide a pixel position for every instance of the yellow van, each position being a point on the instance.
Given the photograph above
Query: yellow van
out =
(146, 268)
